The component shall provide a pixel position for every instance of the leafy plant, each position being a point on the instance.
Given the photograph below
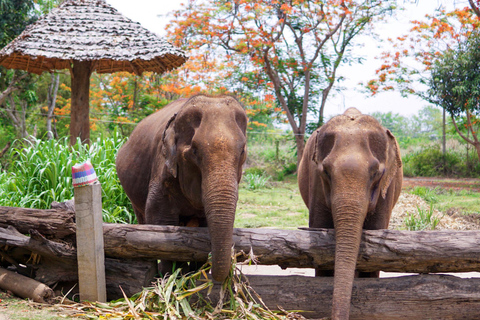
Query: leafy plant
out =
(255, 181)
(39, 172)
(423, 220)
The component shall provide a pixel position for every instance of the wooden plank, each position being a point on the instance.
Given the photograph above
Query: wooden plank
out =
(90, 247)
(410, 297)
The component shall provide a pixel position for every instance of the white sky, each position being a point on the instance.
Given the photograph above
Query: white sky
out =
(153, 15)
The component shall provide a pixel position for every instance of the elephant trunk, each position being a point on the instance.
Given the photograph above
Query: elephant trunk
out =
(349, 216)
(220, 195)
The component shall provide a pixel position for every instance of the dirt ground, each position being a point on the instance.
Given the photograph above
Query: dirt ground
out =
(446, 183)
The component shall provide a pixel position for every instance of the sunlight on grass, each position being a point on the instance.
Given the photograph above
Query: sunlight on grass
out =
(279, 206)
(464, 201)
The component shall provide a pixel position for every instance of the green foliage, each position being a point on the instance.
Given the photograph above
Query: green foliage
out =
(428, 194)
(274, 153)
(255, 181)
(455, 78)
(430, 162)
(415, 130)
(423, 220)
(39, 172)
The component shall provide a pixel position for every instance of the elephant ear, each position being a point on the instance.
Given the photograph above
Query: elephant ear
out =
(393, 163)
(169, 147)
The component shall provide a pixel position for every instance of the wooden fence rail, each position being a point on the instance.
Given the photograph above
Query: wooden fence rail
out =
(130, 250)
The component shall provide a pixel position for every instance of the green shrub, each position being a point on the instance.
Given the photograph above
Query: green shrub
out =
(255, 181)
(431, 162)
(423, 220)
(254, 171)
(39, 172)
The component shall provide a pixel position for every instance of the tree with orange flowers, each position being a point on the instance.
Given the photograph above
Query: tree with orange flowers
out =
(439, 61)
(286, 49)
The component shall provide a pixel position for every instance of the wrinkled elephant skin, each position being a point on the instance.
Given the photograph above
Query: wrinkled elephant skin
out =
(350, 177)
(182, 165)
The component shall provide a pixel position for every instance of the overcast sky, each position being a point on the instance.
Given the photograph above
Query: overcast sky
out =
(153, 15)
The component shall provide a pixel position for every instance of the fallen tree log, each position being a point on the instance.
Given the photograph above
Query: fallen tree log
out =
(386, 250)
(49, 222)
(408, 297)
(25, 287)
(57, 263)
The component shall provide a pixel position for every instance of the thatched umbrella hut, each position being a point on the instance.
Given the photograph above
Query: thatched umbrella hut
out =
(85, 36)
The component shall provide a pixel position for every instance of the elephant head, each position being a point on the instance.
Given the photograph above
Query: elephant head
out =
(350, 178)
(204, 146)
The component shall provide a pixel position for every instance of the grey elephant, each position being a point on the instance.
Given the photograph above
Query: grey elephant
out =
(183, 164)
(350, 177)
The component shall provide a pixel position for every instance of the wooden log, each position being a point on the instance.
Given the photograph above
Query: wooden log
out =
(25, 287)
(386, 250)
(409, 297)
(50, 222)
(58, 263)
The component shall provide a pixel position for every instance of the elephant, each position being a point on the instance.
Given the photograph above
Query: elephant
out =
(350, 177)
(183, 163)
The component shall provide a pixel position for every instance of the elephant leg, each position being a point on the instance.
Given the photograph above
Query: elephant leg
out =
(321, 217)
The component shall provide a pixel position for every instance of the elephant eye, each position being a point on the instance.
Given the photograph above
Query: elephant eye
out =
(326, 173)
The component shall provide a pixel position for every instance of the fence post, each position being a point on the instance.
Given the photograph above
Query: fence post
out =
(90, 253)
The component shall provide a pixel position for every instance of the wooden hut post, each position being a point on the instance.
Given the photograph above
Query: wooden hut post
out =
(90, 252)
(80, 118)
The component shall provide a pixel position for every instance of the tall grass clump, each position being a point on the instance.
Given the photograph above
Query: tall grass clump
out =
(423, 220)
(38, 172)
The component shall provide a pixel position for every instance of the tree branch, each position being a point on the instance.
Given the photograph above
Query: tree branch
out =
(460, 133)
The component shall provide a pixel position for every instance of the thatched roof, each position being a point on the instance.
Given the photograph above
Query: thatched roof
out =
(89, 30)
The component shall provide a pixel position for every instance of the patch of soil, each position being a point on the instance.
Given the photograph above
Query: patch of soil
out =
(445, 183)
(452, 219)
(408, 204)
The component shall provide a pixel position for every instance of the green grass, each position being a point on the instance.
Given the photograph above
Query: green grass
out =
(464, 201)
(277, 206)
(421, 220)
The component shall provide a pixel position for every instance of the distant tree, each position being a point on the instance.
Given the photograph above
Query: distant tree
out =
(289, 50)
(407, 67)
(455, 85)
(16, 87)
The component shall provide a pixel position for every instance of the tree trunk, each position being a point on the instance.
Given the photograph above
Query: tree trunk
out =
(409, 297)
(80, 119)
(52, 98)
(300, 142)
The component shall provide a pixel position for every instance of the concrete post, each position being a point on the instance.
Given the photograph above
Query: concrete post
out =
(90, 253)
